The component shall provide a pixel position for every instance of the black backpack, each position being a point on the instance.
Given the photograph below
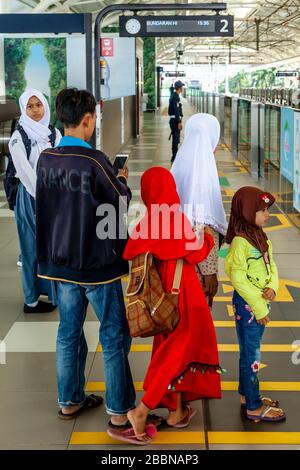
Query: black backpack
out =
(10, 181)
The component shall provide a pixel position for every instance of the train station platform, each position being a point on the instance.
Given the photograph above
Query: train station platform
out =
(28, 399)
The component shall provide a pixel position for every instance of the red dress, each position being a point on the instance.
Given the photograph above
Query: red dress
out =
(185, 360)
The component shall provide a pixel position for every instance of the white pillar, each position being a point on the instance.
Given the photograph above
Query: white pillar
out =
(227, 76)
(4, 8)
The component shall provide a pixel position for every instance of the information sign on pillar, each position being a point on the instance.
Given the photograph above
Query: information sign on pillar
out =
(107, 47)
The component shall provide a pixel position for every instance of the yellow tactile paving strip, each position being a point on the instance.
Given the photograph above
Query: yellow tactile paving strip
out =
(283, 294)
(224, 348)
(258, 437)
(195, 437)
(240, 171)
(271, 324)
(225, 385)
(163, 437)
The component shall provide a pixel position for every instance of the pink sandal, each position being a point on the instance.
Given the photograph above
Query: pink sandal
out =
(187, 419)
(128, 435)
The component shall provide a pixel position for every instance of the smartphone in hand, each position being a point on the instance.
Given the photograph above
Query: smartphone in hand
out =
(119, 162)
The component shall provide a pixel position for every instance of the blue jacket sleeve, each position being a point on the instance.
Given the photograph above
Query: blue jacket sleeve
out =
(110, 187)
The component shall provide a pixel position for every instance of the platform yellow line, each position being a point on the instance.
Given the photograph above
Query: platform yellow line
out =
(288, 282)
(135, 348)
(283, 294)
(233, 173)
(225, 385)
(264, 347)
(271, 324)
(102, 438)
(230, 314)
(285, 223)
(101, 387)
(258, 437)
(224, 348)
(195, 437)
(266, 386)
(222, 298)
(229, 192)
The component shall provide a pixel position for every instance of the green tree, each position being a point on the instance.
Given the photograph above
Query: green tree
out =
(111, 29)
(222, 87)
(149, 71)
(16, 53)
(56, 54)
(241, 80)
(264, 78)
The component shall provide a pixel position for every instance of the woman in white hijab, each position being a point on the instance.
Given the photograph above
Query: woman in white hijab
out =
(198, 186)
(33, 134)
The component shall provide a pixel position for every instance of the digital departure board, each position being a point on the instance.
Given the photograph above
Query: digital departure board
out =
(214, 25)
(288, 73)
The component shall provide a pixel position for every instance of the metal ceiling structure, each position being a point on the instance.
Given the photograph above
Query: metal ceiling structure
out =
(266, 31)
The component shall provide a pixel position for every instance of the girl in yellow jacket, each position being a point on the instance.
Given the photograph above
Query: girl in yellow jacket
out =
(253, 274)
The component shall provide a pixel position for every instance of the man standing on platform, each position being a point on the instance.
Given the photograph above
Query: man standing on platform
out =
(81, 235)
(172, 89)
(175, 113)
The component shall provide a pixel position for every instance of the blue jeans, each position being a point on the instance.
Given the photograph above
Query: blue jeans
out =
(33, 286)
(249, 334)
(71, 348)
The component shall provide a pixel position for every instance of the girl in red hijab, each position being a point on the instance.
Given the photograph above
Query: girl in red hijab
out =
(184, 364)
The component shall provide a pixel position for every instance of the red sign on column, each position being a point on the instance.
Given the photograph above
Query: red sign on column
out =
(107, 47)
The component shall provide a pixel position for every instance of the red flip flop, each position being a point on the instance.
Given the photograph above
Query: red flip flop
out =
(187, 419)
(128, 435)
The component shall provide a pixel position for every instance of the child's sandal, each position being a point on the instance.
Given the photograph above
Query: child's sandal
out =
(266, 401)
(263, 416)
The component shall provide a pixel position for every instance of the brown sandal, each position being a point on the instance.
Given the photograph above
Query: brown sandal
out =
(263, 415)
(91, 401)
(266, 401)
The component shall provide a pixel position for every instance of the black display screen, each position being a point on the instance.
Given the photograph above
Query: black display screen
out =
(180, 26)
(204, 25)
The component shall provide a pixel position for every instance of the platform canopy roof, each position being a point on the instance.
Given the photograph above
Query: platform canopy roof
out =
(266, 31)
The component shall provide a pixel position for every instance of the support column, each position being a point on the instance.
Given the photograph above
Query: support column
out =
(4, 8)
(227, 77)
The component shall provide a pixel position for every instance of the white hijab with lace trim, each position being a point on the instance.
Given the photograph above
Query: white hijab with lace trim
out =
(196, 174)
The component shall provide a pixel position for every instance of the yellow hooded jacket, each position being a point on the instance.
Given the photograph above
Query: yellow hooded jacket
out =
(249, 274)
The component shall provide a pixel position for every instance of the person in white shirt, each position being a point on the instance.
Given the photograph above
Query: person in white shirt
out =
(196, 176)
(35, 119)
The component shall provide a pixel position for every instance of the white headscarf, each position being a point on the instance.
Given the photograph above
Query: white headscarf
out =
(196, 174)
(38, 131)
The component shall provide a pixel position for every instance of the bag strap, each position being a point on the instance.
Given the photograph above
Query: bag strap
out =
(177, 277)
(52, 135)
(25, 139)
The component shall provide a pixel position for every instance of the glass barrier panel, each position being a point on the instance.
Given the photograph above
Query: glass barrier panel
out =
(244, 132)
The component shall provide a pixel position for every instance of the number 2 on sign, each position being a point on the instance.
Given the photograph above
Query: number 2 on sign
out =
(224, 28)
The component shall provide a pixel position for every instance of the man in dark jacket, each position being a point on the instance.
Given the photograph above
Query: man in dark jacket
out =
(81, 235)
(175, 113)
